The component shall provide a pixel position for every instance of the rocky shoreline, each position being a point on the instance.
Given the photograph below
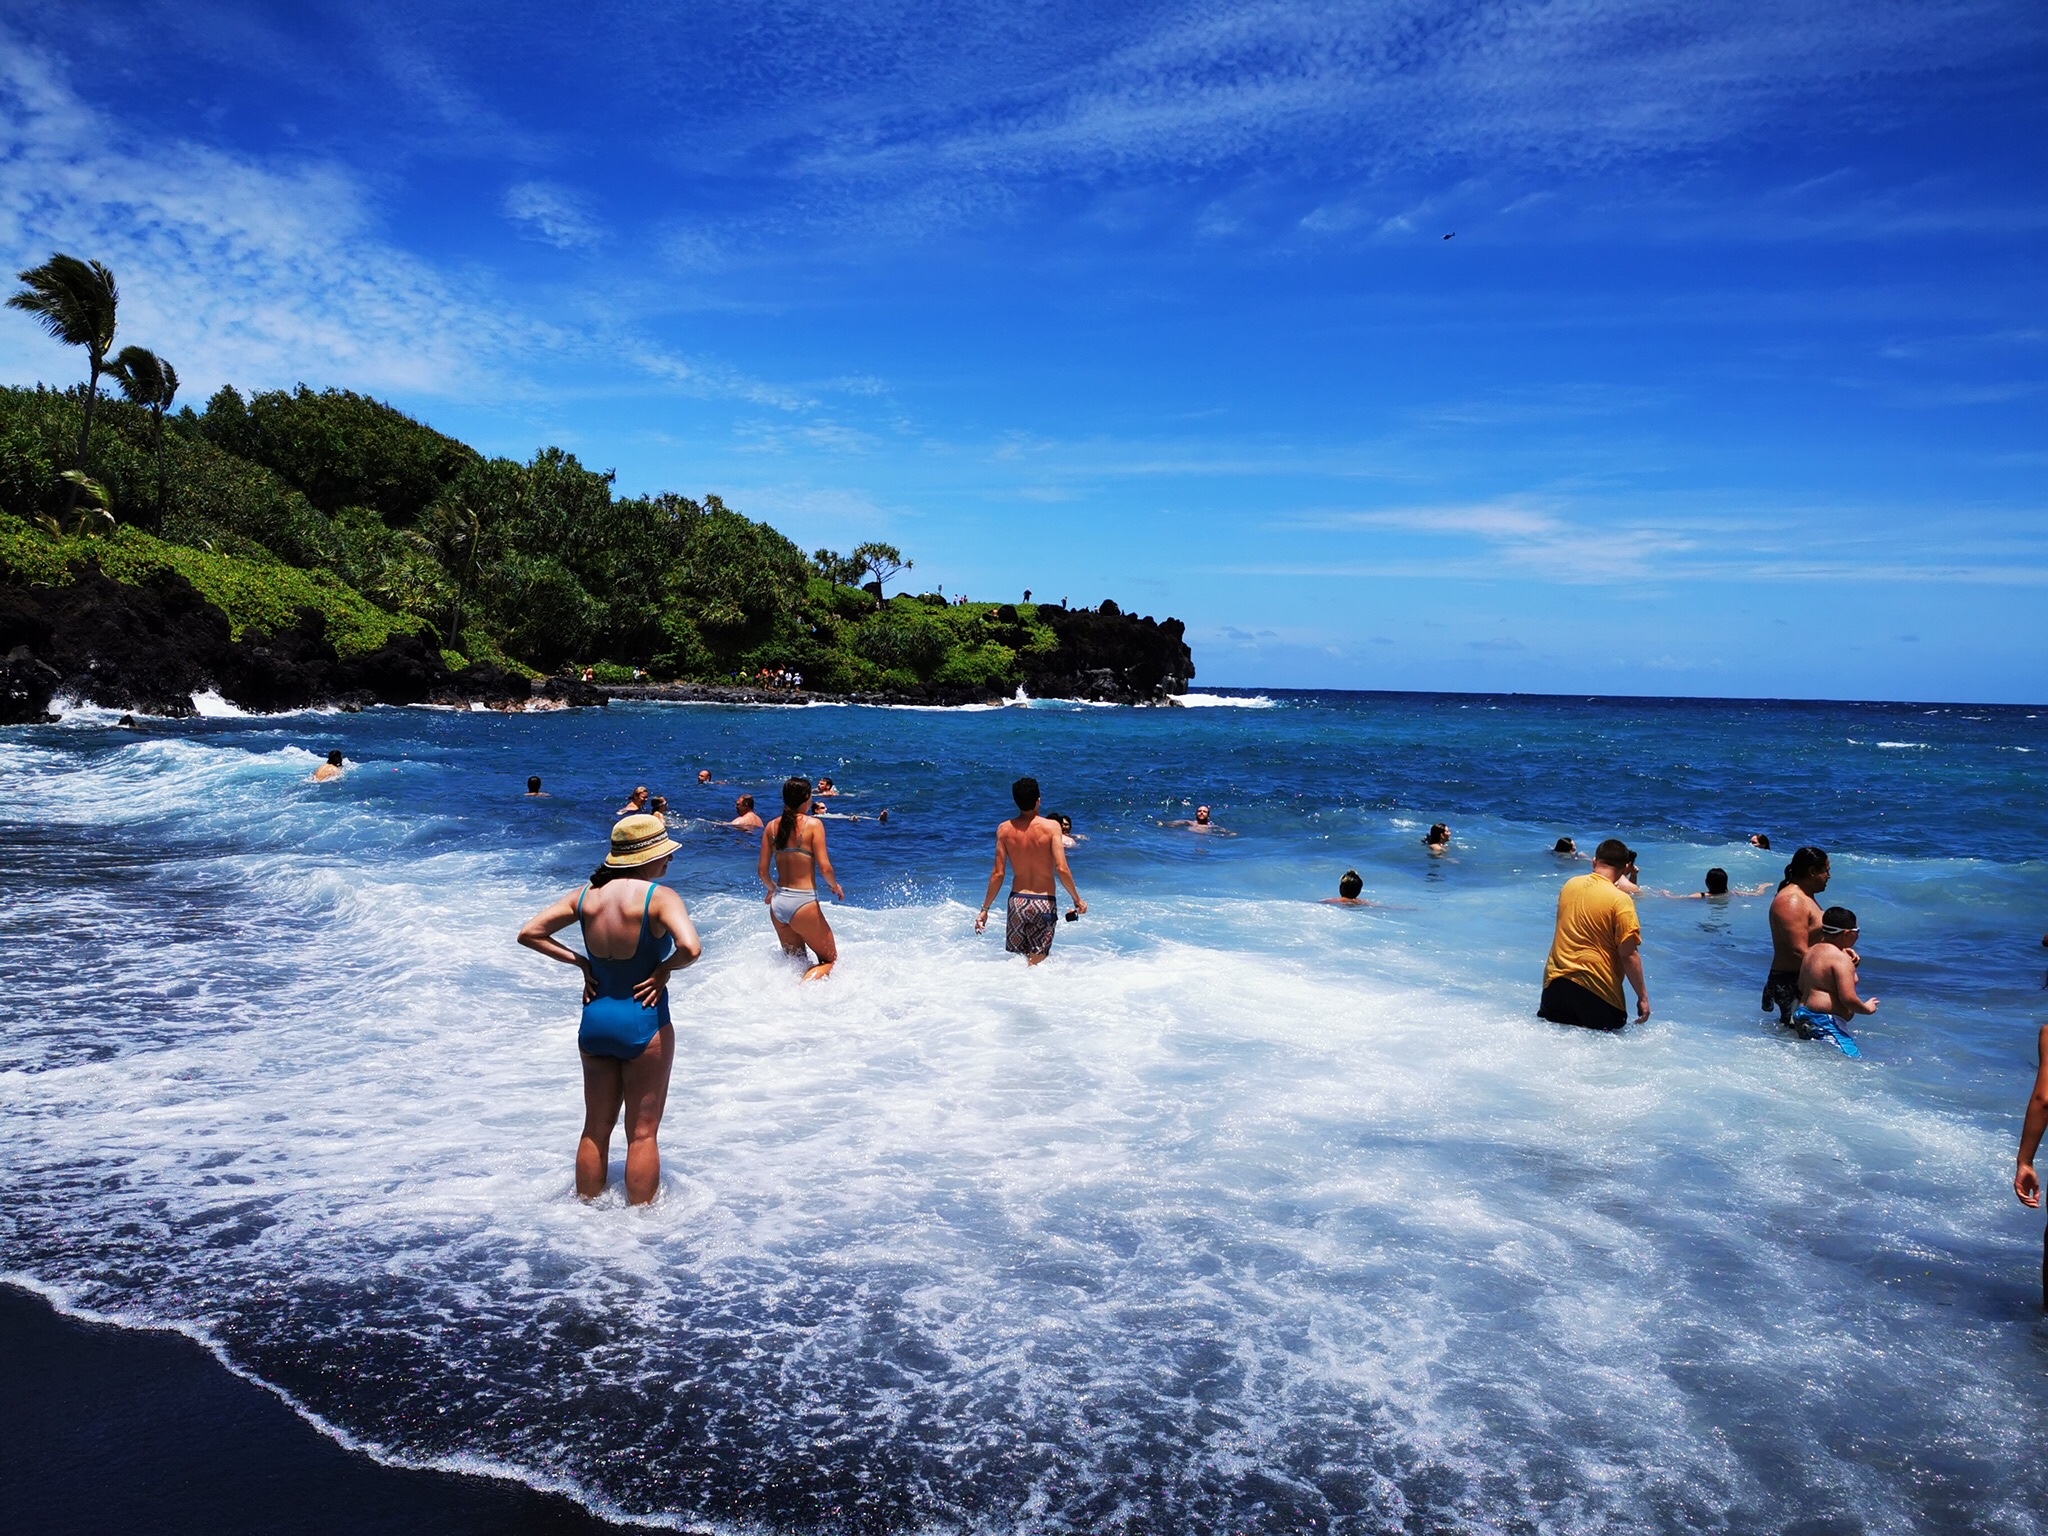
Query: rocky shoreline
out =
(148, 648)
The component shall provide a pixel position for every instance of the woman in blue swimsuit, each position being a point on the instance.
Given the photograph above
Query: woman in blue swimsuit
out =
(637, 934)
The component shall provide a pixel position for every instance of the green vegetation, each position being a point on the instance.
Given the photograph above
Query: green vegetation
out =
(328, 499)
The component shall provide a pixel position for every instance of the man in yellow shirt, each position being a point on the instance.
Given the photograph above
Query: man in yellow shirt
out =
(1598, 941)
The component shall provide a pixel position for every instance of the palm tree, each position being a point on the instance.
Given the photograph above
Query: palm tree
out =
(75, 300)
(454, 536)
(147, 380)
(881, 561)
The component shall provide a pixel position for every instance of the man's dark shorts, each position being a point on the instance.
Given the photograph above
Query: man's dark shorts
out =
(1781, 991)
(1566, 1002)
(1033, 920)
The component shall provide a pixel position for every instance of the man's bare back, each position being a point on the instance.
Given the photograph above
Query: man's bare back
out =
(1033, 849)
(1795, 919)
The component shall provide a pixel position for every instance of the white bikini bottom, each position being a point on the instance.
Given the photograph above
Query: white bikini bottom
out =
(788, 901)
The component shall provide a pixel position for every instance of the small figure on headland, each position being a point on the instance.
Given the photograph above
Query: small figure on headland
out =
(1029, 845)
(533, 789)
(331, 769)
(1598, 941)
(1827, 982)
(1348, 887)
(2025, 1182)
(744, 816)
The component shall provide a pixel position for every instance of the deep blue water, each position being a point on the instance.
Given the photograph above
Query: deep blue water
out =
(1244, 1213)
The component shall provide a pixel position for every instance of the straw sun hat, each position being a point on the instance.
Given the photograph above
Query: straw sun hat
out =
(639, 840)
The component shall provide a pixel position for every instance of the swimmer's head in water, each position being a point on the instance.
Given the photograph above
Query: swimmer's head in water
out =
(825, 782)
(334, 757)
(1564, 845)
(1201, 815)
(1025, 793)
(658, 805)
(1614, 853)
(703, 775)
(1837, 921)
(1808, 864)
(1717, 882)
(1439, 834)
(533, 785)
(1760, 840)
(1349, 885)
(1066, 822)
(744, 804)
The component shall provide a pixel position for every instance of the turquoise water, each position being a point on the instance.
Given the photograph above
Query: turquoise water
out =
(1244, 1213)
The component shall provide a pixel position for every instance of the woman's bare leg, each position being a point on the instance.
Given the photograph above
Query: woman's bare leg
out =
(787, 937)
(810, 926)
(603, 1089)
(646, 1088)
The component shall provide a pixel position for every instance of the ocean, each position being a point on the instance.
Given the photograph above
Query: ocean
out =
(1243, 1214)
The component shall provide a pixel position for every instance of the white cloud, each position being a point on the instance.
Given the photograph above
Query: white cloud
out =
(557, 215)
(263, 274)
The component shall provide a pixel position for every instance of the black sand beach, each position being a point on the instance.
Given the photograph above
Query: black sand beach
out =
(111, 1429)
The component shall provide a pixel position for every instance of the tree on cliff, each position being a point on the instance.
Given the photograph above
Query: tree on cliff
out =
(150, 382)
(880, 561)
(75, 300)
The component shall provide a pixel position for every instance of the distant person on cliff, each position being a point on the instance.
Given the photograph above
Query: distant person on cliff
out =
(1598, 941)
(1437, 839)
(1827, 983)
(636, 934)
(1201, 823)
(533, 789)
(793, 860)
(1349, 885)
(744, 816)
(1795, 920)
(1031, 847)
(636, 802)
(331, 769)
(2025, 1182)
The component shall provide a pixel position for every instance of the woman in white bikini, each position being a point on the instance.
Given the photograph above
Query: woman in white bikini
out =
(793, 859)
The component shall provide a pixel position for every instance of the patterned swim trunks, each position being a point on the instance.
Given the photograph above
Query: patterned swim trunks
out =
(1033, 920)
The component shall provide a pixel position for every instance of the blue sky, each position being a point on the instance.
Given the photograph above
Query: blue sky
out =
(1733, 380)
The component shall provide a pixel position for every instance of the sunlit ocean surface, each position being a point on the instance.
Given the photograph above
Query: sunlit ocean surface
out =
(1244, 1214)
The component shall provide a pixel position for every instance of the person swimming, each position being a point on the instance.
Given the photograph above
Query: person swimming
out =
(1201, 823)
(331, 769)
(625, 1035)
(1438, 838)
(636, 802)
(793, 858)
(1349, 887)
(744, 816)
(533, 788)
(1565, 848)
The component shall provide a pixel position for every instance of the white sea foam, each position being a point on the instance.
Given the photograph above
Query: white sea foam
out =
(210, 705)
(1291, 1180)
(1222, 701)
(1901, 746)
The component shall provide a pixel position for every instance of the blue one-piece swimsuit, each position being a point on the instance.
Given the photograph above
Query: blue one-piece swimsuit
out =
(614, 1023)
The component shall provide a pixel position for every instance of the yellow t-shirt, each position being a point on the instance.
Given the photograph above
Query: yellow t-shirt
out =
(1593, 921)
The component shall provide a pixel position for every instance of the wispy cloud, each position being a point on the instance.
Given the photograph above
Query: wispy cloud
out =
(555, 214)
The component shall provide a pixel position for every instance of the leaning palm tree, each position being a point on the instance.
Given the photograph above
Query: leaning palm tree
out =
(148, 381)
(75, 300)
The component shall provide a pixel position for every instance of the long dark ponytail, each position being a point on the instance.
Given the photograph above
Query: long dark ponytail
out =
(796, 794)
(1805, 861)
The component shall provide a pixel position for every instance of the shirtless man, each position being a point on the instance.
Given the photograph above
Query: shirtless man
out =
(1030, 845)
(1827, 982)
(1349, 889)
(331, 769)
(1795, 919)
(744, 816)
(2026, 1183)
(1201, 823)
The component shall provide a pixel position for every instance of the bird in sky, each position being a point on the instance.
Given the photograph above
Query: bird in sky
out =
(1452, 235)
